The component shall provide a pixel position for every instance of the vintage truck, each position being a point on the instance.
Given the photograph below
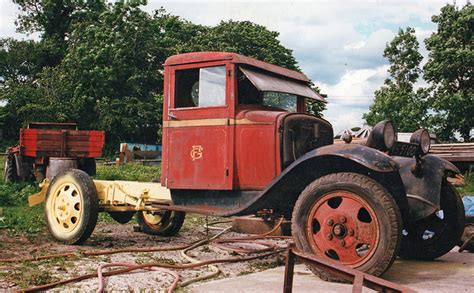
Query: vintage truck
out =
(237, 141)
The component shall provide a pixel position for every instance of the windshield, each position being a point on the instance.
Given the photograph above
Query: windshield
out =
(250, 95)
(283, 101)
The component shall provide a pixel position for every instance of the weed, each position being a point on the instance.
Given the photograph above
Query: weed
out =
(468, 187)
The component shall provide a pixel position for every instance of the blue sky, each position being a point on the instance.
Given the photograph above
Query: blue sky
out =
(338, 44)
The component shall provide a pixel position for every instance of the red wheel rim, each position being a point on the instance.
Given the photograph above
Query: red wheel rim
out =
(343, 227)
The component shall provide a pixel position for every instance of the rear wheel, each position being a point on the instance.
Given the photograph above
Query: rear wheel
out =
(348, 218)
(437, 234)
(71, 207)
(162, 223)
(9, 171)
(122, 217)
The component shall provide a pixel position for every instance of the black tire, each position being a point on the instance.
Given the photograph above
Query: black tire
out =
(87, 165)
(339, 191)
(163, 223)
(71, 208)
(122, 217)
(444, 230)
(9, 172)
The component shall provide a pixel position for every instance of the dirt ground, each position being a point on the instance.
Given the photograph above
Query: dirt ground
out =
(14, 276)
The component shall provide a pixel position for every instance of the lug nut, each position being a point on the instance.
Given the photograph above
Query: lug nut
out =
(330, 222)
(350, 232)
(343, 219)
(343, 243)
(329, 237)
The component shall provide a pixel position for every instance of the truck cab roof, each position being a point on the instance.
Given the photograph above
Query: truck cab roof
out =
(197, 57)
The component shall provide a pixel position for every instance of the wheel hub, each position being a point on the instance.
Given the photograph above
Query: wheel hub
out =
(66, 208)
(339, 230)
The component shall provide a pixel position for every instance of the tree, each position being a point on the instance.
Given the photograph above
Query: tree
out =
(397, 100)
(450, 68)
(108, 73)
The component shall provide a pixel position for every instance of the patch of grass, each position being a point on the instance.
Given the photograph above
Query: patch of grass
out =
(22, 219)
(130, 172)
(28, 274)
(16, 194)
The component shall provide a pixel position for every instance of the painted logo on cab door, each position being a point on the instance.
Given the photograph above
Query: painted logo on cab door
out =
(196, 152)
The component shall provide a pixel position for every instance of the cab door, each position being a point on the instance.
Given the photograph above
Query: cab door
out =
(198, 132)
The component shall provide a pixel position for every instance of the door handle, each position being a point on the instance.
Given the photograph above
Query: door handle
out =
(172, 116)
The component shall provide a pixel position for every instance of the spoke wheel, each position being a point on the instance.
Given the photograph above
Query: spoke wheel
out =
(162, 223)
(348, 218)
(437, 234)
(71, 208)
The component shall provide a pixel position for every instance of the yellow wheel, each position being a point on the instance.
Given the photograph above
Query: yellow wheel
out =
(162, 223)
(71, 207)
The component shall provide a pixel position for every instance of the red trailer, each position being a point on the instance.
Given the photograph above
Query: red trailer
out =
(45, 147)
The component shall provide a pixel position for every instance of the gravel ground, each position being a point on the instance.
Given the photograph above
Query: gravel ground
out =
(112, 236)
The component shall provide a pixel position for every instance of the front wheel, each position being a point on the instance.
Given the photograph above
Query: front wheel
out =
(161, 223)
(348, 218)
(71, 207)
(437, 234)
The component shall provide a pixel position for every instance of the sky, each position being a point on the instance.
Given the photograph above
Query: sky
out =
(338, 44)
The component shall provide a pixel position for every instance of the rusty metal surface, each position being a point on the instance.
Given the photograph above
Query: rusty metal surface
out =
(356, 277)
(423, 190)
(454, 152)
(59, 165)
(57, 142)
(265, 82)
(198, 57)
(254, 225)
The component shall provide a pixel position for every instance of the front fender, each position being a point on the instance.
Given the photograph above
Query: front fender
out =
(365, 156)
(423, 191)
(282, 193)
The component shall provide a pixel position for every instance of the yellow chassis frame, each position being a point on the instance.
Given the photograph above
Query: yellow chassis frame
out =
(119, 196)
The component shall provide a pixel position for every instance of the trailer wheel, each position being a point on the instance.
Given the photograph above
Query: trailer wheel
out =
(437, 234)
(87, 165)
(348, 218)
(162, 223)
(71, 207)
(9, 172)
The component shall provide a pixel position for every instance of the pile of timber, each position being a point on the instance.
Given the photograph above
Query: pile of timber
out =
(454, 152)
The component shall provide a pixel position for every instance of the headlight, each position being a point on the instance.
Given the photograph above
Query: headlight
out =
(422, 138)
(382, 136)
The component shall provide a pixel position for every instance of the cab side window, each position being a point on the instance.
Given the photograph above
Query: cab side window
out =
(200, 87)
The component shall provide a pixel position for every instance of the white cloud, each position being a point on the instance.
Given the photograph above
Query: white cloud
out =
(338, 44)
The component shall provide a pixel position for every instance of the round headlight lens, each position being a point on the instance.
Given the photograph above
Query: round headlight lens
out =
(423, 139)
(382, 137)
(389, 135)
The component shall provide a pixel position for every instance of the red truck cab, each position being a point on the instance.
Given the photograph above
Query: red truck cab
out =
(223, 118)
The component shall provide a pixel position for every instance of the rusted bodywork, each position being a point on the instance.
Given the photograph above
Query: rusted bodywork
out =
(237, 158)
(43, 140)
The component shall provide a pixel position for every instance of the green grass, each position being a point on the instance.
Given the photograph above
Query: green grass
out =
(468, 188)
(130, 172)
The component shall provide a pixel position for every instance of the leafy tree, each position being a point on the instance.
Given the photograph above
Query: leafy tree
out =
(107, 70)
(451, 69)
(396, 100)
